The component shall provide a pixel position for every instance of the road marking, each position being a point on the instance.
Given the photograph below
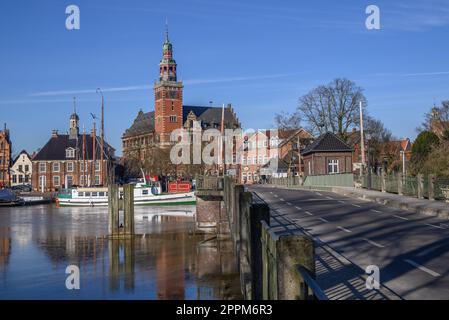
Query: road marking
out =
(289, 203)
(422, 268)
(281, 199)
(341, 201)
(432, 225)
(344, 229)
(330, 198)
(271, 192)
(298, 208)
(399, 217)
(444, 225)
(318, 193)
(309, 213)
(324, 220)
(376, 211)
(374, 243)
(275, 195)
(356, 205)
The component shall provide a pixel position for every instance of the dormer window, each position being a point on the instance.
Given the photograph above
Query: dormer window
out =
(70, 153)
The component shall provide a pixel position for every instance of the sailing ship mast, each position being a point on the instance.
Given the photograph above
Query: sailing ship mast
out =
(102, 138)
(84, 158)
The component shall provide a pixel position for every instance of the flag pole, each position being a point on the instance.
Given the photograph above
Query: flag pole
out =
(362, 139)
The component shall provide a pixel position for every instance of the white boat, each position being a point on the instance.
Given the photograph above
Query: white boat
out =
(144, 195)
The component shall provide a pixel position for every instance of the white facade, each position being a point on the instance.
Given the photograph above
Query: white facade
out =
(21, 170)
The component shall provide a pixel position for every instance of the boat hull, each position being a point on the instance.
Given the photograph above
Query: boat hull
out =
(159, 200)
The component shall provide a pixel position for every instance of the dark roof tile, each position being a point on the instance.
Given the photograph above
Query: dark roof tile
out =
(327, 142)
(55, 148)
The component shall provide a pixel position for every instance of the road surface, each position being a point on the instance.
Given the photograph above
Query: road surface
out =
(411, 250)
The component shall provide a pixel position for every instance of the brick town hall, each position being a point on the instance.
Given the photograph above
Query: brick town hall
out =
(152, 129)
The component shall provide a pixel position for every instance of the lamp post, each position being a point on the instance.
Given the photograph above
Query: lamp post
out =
(368, 138)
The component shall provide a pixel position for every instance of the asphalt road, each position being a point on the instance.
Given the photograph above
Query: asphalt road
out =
(411, 250)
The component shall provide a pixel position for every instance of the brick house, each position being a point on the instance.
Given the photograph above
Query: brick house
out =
(63, 162)
(5, 158)
(265, 145)
(327, 155)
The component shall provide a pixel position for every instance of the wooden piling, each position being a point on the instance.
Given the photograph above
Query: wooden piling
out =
(113, 207)
(128, 207)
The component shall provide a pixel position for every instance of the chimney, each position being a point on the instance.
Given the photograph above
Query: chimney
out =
(54, 133)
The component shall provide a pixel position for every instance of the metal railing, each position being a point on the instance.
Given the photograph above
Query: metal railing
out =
(412, 186)
(212, 183)
(309, 284)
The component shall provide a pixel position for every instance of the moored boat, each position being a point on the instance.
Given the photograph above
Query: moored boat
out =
(144, 195)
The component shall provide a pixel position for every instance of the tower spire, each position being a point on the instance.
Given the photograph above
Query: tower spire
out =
(74, 105)
(166, 31)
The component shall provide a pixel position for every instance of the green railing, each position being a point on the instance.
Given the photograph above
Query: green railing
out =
(330, 180)
(410, 186)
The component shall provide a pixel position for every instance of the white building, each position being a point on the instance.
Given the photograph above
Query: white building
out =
(21, 169)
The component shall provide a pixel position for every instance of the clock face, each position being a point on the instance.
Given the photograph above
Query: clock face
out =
(172, 94)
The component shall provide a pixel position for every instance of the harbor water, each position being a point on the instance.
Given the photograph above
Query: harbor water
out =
(166, 259)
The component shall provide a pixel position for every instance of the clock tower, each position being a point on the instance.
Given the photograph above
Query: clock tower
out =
(167, 96)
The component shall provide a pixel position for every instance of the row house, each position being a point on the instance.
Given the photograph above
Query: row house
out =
(5, 158)
(72, 159)
(21, 169)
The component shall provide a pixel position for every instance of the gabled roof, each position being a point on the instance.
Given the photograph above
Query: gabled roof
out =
(327, 142)
(55, 148)
(209, 117)
(282, 166)
(288, 135)
(21, 152)
(143, 124)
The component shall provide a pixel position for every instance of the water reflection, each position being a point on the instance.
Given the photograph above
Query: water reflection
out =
(166, 261)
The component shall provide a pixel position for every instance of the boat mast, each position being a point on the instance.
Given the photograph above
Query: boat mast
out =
(93, 155)
(84, 158)
(4, 157)
(102, 138)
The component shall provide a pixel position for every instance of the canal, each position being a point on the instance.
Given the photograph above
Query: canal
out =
(167, 260)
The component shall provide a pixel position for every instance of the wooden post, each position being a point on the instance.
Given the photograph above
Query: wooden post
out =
(400, 187)
(420, 179)
(113, 206)
(128, 207)
(431, 186)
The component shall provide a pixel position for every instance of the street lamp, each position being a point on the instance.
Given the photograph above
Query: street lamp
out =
(368, 138)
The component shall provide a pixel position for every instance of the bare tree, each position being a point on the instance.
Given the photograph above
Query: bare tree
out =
(287, 121)
(377, 130)
(333, 107)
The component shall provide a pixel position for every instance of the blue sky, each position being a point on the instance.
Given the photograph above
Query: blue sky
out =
(259, 55)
